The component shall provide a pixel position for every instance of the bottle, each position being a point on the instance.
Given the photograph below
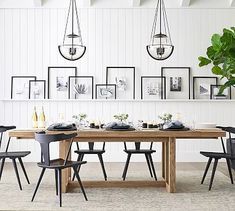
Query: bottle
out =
(42, 119)
(35, 118)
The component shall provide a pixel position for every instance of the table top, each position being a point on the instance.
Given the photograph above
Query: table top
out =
(144, 134)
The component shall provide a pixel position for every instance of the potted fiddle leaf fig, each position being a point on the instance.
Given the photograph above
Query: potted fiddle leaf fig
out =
(221, 55)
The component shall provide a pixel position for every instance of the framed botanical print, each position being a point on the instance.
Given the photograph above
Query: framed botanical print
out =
(105, 91)
(124, 78)
(58, 81)
(20, 86)
(37, 89)
(153, 87)
(177, 82)
(214, 93)
(81, 87)
(202, 86)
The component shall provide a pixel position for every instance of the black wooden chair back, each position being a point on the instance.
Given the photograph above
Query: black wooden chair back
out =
(91, 146)
(45, 140)
(138, 146)
(3, 129)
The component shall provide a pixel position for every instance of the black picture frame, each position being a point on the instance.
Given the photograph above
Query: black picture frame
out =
(188, 69)
(217, 86)
(79, 77)
(203, 77)
(108, 69)
(163, 85)
(110, 85)
(49, 76)
(20, 77)
(44, 87)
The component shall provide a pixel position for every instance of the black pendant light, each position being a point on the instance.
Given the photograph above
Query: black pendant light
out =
(72, 48)
(160, 47)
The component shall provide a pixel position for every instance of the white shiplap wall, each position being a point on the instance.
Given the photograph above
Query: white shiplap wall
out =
(28, 45)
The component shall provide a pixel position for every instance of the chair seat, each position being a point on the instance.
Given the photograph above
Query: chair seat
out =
(140, 151)
(14, 154)
(87, 151)
(59, 164)
(217, 155)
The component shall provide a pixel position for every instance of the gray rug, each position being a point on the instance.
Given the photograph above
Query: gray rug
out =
(190, 194)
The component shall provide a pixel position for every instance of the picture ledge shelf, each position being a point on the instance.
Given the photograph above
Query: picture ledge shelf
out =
(113, 100)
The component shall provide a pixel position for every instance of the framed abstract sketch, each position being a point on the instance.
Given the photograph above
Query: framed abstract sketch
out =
(37, 89)
(58, 81)
(20, 86)
(124, 78)
(202, 86)
(214, 93)
(105, 91)
(153, 87)
(177, 82)
(81, 87)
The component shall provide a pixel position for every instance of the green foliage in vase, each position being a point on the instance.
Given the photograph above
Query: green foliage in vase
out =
(221, 54)
(166, 117)
(80, 117)
(121, 117)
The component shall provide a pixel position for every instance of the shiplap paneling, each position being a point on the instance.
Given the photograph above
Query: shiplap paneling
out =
(114, 37)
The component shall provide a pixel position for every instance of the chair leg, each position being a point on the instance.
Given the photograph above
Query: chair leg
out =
(206, 170)
(59, 186)
(39, 181)
(2, 165)
(126, 166)
(17, 173)
(23, 168)
(147, 160)
(80, 158)
(80, 182)
(56, 182)
(229, 170)
(213, 173)
(102, 165)
(153, 168)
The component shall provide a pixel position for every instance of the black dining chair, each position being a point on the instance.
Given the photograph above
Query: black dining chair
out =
(91, 151)
(148, 155)
(13, 156)
(216, 156)
(56, 164)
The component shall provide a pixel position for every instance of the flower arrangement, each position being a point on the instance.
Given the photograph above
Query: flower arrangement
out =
(80, 117)
(121, 117)
(166, 117)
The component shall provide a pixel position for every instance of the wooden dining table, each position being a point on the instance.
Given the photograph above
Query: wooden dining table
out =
(167, 138)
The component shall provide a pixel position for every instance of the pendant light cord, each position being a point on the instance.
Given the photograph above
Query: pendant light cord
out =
(78, 23)
(67, 20)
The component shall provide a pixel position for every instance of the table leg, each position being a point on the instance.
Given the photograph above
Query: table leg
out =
(66, 173)
(163, 159)
(171, 166)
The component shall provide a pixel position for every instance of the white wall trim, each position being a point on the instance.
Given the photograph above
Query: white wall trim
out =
(135, 3)
(37, 3)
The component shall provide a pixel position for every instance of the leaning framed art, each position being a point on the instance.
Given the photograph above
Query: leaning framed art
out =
(58, 81)
(37, 89)
(105, 91)
(177, 82)
(124, 78)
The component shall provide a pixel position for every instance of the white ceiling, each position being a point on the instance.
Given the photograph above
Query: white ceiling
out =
(118, 3)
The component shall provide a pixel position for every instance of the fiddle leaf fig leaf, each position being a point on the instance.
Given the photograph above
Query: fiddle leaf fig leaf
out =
(211, 52)
(216, 42)
(203, 61)
(217, 70)
(226, 85)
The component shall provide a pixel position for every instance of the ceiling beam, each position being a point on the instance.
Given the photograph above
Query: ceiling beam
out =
(232, 3)
(185, 3)
(135, 3)
(37, 3)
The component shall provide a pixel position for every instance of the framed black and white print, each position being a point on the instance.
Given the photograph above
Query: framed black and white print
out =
(214, 93)
(177, 82)
(58, 81)
(153, 87)
(105, 91)
(37, 89)
(20, 86)
(202, 86)
(124, 78)
(81, 87)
